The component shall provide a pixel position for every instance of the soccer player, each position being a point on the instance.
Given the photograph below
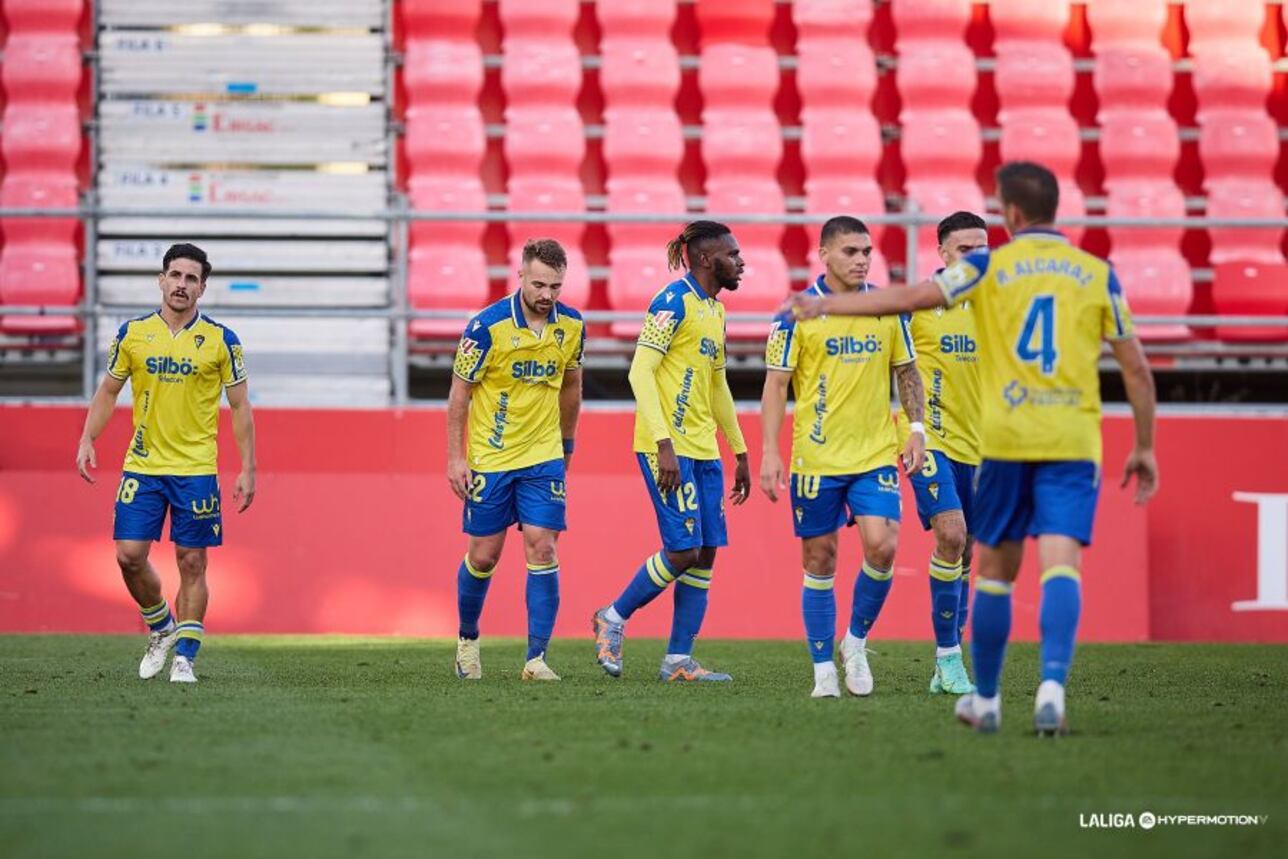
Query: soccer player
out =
(947, 358)
(681, 397)
(1041, 308)
(844, 447)
(517, 389)
(177, 361)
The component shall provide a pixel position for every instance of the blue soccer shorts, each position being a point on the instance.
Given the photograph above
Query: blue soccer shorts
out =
(1014, 500)
(943, 484)
(694, 514)
(822, 504)
(142, 500)
(536, 496)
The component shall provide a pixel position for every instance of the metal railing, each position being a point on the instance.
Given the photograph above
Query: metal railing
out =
(400, 217)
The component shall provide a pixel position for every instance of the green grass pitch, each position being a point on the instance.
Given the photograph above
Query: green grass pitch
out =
(328, 746)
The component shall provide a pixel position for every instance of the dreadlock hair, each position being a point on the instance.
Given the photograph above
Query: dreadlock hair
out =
(681, 247)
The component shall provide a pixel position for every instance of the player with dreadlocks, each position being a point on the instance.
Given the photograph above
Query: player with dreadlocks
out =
(681, 397)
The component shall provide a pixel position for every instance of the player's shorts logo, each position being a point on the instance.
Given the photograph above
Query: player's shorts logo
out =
(800, 514)
(215, 528)
(206, 506)
(558, 491)
(689, 525)
(934, 491)
(888, 482)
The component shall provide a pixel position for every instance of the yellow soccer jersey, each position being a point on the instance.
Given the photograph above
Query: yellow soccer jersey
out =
(948, 361)
(688, 328)
(840, 368)
(176, 380)
(517, 373)
(1041, 308)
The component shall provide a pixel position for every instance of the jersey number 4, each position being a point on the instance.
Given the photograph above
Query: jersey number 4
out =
(1037, 338)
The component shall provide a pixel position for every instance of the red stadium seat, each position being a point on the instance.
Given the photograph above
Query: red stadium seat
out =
(445, 145)
(1253, 289)
(939, 136)
(643, 147)
(1035, 81)
(1238, 140)
(545, 141)
(742, 142)
(841, 139)
(1139, 150)
(39, 273)
(41, 146)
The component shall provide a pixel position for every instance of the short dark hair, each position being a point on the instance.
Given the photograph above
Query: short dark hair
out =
(960, 221)
(547, 251)
(839, 226)
(1030, 187)
(183, 250)
(693, 234)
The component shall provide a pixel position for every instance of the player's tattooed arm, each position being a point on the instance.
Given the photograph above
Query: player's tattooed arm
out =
(912, 396)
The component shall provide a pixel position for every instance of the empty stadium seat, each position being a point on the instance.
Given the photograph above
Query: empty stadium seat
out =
(643, 147)
(41, 144)
(1139, 149)
(545, 140)
(742, 142)
(1254, 289)
(1238, 140)
(840, 138)
(1034, 80)
(445, 145)
(939, 136)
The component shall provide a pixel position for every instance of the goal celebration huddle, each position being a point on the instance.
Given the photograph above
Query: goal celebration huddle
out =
(991, 366)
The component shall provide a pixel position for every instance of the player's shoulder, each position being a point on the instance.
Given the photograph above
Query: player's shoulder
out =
(138, 323)
(669, 301)
(481, 324)
(566, 311)
(220, 329)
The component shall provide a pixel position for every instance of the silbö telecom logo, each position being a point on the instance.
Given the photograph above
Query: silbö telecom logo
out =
(1150, 820)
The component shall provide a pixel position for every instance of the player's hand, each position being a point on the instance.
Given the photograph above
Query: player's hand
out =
(914, 454)
(802, 306)
(771, 474)
(741, 481)
(1144, 466)
(668, 467)
(244, 490)
(458, 477)
(85, 459)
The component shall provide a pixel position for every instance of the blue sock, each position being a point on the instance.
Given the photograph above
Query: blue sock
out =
(543, 604)
(818, 607)
(650, 580)
(945, 596)
(471, 590)
(1058, 620)
(190, 634)
(871, 588)
(964, 604)
(989, 632)
(691, 590)
(158, 617)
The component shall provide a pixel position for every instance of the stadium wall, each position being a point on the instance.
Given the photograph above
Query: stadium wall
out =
(354, 530)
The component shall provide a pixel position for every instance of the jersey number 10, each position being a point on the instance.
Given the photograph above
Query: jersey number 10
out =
(1039, 326)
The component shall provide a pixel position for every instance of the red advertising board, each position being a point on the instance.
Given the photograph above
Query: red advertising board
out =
(354, 530)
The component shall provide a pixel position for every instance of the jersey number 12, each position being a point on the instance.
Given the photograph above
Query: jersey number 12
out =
(1039, 326)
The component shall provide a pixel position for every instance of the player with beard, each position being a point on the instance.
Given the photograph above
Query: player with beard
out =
(682, 396)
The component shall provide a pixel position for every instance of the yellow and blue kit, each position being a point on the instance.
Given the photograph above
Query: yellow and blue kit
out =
(1041, 308)
(515, 447)
(948, 361)
(686, 328)
(844, 445)
(176, 380)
